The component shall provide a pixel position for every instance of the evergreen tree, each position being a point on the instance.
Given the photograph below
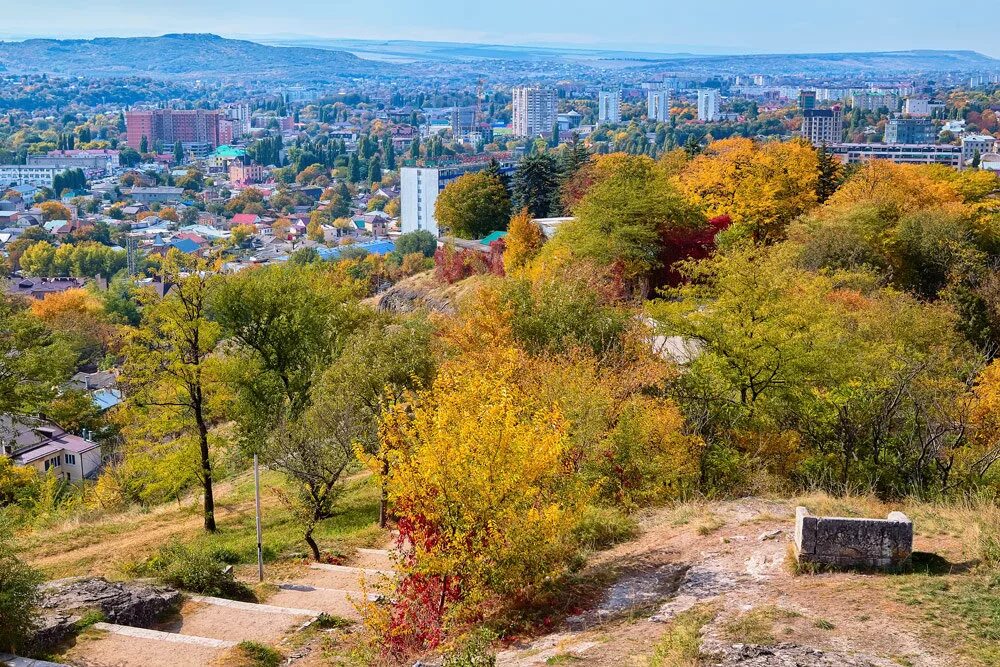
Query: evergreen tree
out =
(178, 153)
(415, 149)
(829, 173)
(353, 168)
(375, 170)
(144, 145)
(536, 185)
(574, 156)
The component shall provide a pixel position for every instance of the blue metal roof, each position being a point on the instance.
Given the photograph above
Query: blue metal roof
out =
(186, 246)
(106, 398)
(383, 247)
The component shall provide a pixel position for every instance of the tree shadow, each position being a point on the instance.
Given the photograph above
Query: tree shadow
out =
(924, 562)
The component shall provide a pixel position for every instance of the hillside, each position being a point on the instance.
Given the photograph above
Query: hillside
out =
(179, 56)
(701, 583)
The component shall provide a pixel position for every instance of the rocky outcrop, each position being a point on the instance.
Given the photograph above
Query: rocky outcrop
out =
(406, 299)
(783, 655)
(66, 602)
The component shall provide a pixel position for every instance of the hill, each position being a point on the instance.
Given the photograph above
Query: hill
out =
(179, 56)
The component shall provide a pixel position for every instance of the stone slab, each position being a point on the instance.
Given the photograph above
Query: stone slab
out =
(853, 542)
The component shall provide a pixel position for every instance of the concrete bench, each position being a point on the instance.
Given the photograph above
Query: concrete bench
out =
(847, 542)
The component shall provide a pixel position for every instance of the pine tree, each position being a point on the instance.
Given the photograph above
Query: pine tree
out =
(536, 185)
(828, 171)
(144, 145)
(178, 153)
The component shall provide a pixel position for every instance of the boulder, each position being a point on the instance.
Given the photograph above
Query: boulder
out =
(66, 601)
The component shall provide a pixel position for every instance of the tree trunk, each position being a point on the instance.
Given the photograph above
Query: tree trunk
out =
(383, 504)
(311, 542)
(206, 465)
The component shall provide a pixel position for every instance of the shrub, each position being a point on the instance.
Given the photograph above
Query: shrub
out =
(196, 570)
(604, 527)
(18, 595)
(258, 655)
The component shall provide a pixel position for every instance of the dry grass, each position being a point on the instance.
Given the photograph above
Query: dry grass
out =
(681, 645)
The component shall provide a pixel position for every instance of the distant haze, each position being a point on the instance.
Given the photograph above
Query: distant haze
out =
(723, 26)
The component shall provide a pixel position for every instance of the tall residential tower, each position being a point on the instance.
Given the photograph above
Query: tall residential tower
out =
(534, 110)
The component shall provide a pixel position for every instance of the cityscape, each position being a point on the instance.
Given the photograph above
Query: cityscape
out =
(334, 348)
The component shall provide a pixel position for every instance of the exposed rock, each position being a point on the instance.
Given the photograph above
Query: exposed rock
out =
(66, 601)
(405, 299)
(783, 655)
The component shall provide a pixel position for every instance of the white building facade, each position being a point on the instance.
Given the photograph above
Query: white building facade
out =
(40, 176)
(708, 105)
(658, 105)
(609, 107)
(534, 110)
(418, 191)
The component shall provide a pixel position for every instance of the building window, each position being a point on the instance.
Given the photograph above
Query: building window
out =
(71, 459)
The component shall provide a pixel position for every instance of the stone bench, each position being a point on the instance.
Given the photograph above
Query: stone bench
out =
(853, 543)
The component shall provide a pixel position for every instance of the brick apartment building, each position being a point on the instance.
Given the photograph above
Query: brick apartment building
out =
(168, 126)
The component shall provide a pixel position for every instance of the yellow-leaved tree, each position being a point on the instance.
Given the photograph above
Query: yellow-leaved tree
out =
(484, 493)
(761, 187)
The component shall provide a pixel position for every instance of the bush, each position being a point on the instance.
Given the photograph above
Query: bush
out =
(604, 527)
(258, 655)
(197, 570)
(18, 596)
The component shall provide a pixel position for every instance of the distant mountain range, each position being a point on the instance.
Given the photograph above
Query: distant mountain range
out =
(210, 57)
(179, 56)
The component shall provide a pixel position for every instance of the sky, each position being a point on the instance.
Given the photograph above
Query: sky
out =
(713, 26)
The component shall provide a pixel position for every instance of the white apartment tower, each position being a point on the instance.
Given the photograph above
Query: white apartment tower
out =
(534, 110)
(609, 107)
(708, 105)
(658, 105)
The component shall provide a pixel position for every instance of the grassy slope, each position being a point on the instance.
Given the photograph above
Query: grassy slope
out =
(102, 546)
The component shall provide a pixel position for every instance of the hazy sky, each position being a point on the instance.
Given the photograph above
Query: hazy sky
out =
(723, 26)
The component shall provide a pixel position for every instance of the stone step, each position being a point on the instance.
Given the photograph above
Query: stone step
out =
(17, 661)
(125, 646)
(333, 601)
(236, 621)
(378, 559)
(342, 577)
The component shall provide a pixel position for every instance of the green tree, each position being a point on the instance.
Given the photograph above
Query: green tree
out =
(421, 241)
(472, 206)
(143, 145)
(167, 365)
(829, 174)
(281, 339)
(19, 595)
(178, 153)
(536, 185)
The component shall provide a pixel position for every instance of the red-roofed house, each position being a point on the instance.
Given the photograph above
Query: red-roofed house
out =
(245, 219)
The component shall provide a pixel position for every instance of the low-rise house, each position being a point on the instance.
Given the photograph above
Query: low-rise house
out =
(49, 449)
(40, 287)
(245, 219)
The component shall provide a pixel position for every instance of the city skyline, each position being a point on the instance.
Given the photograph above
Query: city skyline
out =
(782, 26)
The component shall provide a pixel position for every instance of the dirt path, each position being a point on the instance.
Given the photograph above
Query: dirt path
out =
(732, 558)
(92, 548)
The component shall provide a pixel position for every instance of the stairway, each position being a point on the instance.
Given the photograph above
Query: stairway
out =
(205, 628)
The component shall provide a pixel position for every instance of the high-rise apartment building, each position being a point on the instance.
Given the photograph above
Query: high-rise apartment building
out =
(534, 110)
(168, 126)
(906, 130)
(807, 99)
(240, 116)
(708, 104)
(823, 126)
(658, 105)
(609, 107)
